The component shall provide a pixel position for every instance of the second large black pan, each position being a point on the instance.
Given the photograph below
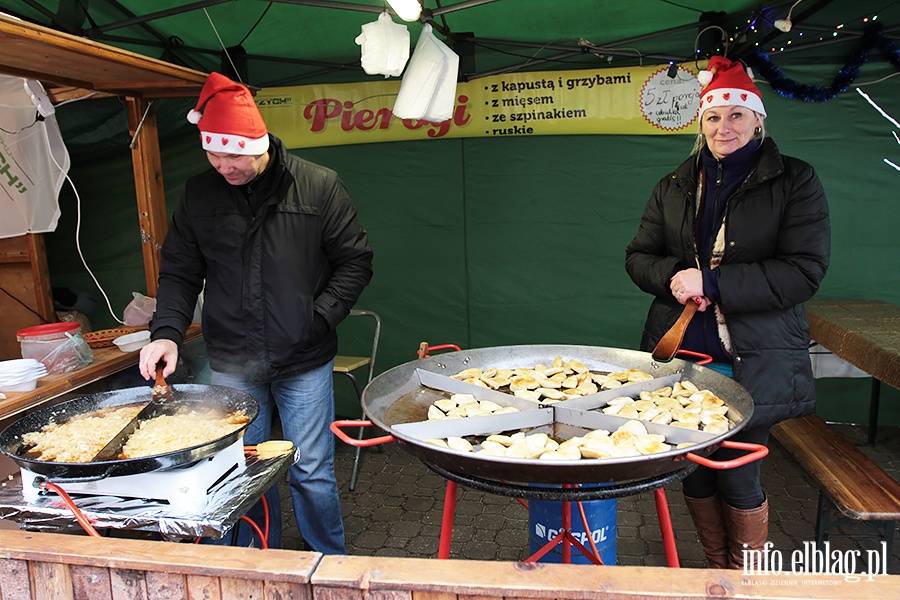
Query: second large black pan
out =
(205, 396)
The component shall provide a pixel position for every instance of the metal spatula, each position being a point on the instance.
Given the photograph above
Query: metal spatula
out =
(160, 395)
(670, 342)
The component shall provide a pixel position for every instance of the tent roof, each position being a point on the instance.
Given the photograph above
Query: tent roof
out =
(290, 42)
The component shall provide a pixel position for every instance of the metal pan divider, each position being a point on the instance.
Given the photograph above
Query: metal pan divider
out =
(587, 419)
(455, 386)
(483, 425)
(600, 399)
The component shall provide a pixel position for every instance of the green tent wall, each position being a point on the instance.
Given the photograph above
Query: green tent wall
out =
(485, 242)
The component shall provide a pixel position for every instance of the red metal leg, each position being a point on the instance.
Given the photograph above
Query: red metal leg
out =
(665, 527)
(447, 520)
(566, 526)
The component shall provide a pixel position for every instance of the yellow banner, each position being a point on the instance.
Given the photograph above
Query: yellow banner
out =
(631, 101)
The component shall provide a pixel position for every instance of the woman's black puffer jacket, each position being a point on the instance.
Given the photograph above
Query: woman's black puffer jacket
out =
(777, 249)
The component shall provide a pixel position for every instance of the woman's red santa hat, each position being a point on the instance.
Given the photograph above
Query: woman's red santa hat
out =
(230, 121)
(728, 84)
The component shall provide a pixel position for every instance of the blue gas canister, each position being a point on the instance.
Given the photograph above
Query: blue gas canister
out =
(545, 521)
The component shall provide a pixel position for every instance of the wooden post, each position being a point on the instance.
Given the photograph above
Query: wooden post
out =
(151, 199)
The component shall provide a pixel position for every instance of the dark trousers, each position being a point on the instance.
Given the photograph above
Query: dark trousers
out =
(740, 488)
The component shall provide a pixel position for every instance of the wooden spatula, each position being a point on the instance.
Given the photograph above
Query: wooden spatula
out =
(161, 390)
(670, 342)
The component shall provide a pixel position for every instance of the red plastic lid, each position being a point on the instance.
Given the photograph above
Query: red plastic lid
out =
(49, 328)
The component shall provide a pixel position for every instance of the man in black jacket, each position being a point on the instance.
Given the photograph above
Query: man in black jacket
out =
(276, 241)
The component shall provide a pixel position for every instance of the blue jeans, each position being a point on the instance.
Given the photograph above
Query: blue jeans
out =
(305, 405)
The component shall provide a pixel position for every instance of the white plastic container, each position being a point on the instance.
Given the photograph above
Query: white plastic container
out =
(40, 342)
(23, 386)
(132, 341)
(20, 375)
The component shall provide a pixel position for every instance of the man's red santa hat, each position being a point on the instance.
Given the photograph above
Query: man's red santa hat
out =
(230, 121)
(728, 84)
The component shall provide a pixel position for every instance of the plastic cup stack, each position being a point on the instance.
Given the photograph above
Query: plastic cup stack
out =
(20, 375)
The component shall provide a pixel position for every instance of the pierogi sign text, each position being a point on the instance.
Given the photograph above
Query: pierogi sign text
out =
(349, 118)
(623, 101)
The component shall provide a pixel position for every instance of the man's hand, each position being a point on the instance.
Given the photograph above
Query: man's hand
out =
(159, 350)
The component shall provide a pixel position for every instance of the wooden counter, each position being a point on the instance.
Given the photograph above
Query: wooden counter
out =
(106, 362)
(47, 565)
(865, 333)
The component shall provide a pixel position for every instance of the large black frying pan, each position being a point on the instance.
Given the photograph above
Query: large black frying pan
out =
(205, 396)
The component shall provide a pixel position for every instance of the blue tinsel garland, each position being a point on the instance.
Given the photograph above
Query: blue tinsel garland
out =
(873, 37)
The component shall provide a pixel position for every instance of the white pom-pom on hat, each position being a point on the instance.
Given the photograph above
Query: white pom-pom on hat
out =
(194, 116)
(705, 77)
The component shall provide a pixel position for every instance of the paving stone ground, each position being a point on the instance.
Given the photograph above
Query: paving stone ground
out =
(396, 510)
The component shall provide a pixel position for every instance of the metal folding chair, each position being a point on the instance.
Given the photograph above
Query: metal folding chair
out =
(347, 365)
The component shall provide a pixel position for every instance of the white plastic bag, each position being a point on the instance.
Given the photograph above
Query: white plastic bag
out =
(428, 89)
(33, 159)
(139, 310)
(385, 46)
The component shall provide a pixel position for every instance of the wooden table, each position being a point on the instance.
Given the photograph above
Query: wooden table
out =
(106, 362)
(865, 333)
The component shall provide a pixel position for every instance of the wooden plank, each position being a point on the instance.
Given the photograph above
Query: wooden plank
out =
(52, 581)
(146, 555)
(47, 55)
(278, 590)
(106, 362)
(240, 589)
(128, 584)
(27, 299)
(166, 586)
(151, 197)
(40, 271)
(544, 580)
(201, 587)
(15, 582)
(90, 583)
(345, 364)
(858, 487)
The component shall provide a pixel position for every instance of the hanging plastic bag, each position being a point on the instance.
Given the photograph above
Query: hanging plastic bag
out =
(33, 159)
(428, 89)
(385, 46)
(139, 310)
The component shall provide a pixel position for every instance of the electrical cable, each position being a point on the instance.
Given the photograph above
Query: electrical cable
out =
(78, 229)
(262, 539)
(25, 306)
(222, 44)
(79, 516)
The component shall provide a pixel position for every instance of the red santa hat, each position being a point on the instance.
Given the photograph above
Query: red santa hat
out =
(230, 121)
(727, 83)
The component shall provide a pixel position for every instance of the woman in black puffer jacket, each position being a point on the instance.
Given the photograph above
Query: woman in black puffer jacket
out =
(744, 232)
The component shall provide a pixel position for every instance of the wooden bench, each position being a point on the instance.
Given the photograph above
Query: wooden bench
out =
(847, 479)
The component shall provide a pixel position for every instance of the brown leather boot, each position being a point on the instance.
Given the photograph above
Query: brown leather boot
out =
(710, 525)
(748, 530)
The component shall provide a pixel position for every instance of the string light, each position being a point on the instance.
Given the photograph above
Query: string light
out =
(872, 38)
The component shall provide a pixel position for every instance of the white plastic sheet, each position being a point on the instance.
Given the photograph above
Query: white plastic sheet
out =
(428, 89)
(826, 364)
(385, 46)
(30, 149)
